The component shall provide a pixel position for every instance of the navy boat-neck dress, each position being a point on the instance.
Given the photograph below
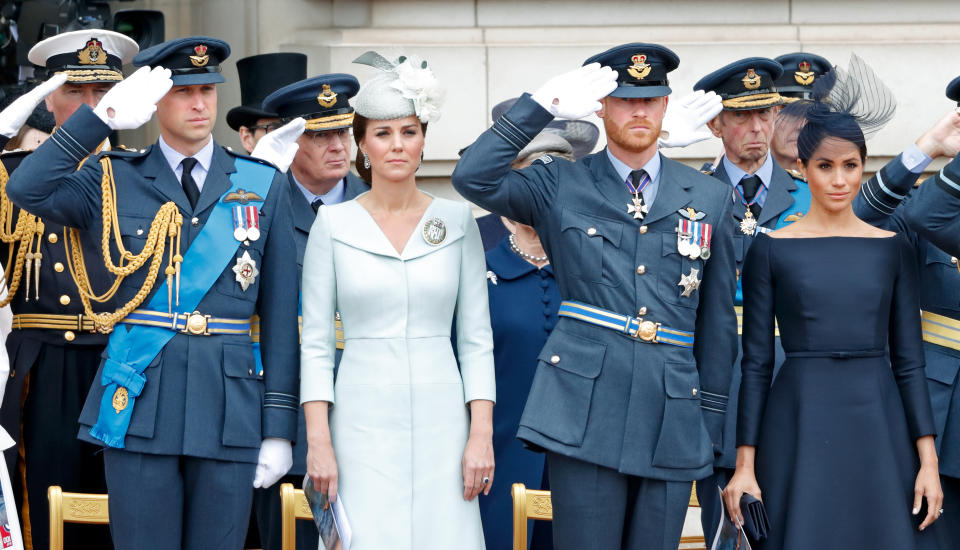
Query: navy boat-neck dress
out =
(835, 433)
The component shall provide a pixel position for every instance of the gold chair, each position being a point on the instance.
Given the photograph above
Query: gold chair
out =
(535, 504)
(74, 508)
(293, 506)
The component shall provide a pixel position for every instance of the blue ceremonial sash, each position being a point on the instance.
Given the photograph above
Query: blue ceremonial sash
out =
(132, 348)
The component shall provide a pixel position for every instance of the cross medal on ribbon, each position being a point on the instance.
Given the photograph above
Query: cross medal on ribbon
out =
(748, 225)
(636, 205)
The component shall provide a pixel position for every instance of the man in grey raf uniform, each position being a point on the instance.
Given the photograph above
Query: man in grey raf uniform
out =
(189, 422)
(319, 174)
(929, 216)
(628, 405)
(764, 196)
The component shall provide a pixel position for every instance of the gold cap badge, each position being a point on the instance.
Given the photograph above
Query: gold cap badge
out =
(327, 97)
(201, 58)
(92, 54)
(752, 80)
(804, 76)
(640, 68)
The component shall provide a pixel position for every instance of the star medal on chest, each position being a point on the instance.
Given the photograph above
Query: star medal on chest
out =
(636, 206)
(689, 282)
(246, 223)
(748, 225)
(246, 270)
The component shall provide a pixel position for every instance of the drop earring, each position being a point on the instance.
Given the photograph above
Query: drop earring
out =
(421, 160)
(366, 160)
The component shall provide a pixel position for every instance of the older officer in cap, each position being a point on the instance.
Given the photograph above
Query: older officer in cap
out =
(765, 197)
(319, 174)
(54, 353)
(188, 421)
(261, 75)
(627, 403)
(800, 71)
(928, 215)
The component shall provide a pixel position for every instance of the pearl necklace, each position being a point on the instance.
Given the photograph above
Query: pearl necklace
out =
(524, 255)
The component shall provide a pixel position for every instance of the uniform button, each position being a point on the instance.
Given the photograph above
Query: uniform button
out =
(953, 260)
(69, 336)
(544, 284)
(641, 269)
(547, 311)
(260, 373)
(64, 300)
(250, 371)
(555, 359)
(694, 392)
(139, 231)
(13, 373)
(643, 230)
(58, 267)
(545, 299)
(52, 238)
(592, 231)
(642, 312)
(195, 222)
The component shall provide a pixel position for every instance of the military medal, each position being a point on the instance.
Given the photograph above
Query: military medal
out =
(689, 282)
(748, 225)
(120, 399)
(246, 223)
(434, 231)
(246, 270)
(636, 205)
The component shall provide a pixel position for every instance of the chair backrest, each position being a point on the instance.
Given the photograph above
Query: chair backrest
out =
(695, 542)
(74, 508)
(528, 504)
(293, 506)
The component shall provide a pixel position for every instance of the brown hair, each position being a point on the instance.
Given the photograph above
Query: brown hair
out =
(359, 130)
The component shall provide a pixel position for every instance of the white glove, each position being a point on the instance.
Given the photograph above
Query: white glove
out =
(577, 93)
(131, 103)
(275, 460)
(280, 146)
(16, 114)
(683, 123)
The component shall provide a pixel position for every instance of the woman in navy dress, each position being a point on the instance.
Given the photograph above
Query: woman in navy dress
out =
(524, 300)
(842, 443)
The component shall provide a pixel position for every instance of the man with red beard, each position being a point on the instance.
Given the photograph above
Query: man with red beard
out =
(630, 392)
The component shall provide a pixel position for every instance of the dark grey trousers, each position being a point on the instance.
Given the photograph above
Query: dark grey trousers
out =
(597, 507)
(161, 502)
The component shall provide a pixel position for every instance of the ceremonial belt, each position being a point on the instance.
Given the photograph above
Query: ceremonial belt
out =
(255, 329)
(635, 327)
(739, 310)
(940, 330)
(53, 321)
(194, 323)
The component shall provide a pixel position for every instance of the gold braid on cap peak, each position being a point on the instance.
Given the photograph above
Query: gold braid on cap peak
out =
(166, 225)
(754, 101)
(327, 122)
(84, 75)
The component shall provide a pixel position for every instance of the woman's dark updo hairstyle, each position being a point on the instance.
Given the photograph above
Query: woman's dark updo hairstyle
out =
(359, 130)
(849, 105)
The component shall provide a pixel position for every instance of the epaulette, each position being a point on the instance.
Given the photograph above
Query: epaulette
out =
(124, 153)
(245, 156)
(16, 153)
(707, 172)
(920, 181)
(707, 169)
(796, 175)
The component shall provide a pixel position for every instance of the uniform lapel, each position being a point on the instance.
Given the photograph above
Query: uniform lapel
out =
(218, 179)
(303, 214)
(155, 167)
(778, 198)
(354, 186)
(606, 179)
(672, 195)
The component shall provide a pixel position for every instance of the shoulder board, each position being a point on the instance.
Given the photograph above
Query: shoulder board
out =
(245, 156)
(543, 159)
(795, 174)
(17, 153)
(920, 181)
(124, 153)
(707, 172)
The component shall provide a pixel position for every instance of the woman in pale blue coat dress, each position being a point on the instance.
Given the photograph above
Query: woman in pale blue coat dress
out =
(404, 433)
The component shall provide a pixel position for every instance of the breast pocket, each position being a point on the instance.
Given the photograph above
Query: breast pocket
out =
(562, 390)
(241, 278)
(940, 278)
(134, 231)
(673, 266)
(243, 397)
(591, 239)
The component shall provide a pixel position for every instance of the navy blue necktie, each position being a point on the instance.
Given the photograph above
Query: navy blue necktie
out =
(186, 179)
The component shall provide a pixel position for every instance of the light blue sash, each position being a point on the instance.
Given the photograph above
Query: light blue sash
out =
(131, 349)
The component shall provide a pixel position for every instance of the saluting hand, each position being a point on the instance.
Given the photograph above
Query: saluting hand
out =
(131, 103)
(280, 146)
(943, 139)
(16, 114)
(577, 93)
(685, 120)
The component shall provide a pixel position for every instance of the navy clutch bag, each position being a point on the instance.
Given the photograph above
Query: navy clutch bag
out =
(755, 523)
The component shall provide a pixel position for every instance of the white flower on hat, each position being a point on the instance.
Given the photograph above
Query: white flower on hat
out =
(416, 82)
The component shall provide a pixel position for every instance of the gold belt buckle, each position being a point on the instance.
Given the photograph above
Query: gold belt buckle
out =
(196, 323)
(646, 331)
